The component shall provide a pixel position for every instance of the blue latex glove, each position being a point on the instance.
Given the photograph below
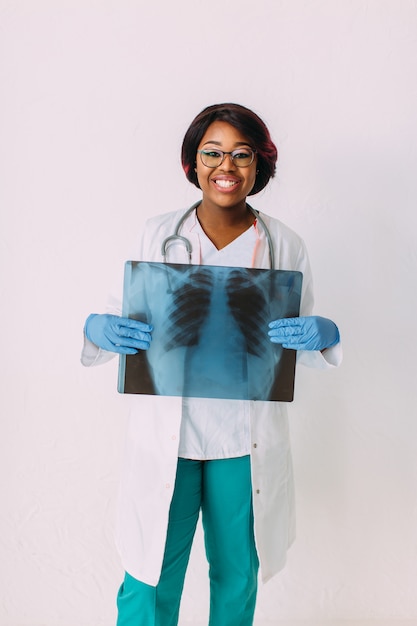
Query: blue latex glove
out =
(304, 333)
(117, 334)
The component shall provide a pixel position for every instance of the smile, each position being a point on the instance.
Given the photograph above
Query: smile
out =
(225, 183)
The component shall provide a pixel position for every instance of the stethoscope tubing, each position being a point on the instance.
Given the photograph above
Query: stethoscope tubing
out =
(187, 243)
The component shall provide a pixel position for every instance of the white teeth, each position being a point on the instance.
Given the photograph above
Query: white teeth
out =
(226, 183)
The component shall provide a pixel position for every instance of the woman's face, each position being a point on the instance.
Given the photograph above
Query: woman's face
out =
(226, 185)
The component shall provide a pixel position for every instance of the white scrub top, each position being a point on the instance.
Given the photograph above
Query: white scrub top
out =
(154, 426)
(213, 428)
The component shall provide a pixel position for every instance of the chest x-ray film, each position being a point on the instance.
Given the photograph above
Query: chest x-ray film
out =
(210, 337)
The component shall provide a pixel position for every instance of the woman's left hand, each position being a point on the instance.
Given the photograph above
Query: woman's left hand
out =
(304, 333)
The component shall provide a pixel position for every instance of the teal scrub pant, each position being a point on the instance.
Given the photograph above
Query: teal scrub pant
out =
(222, 490)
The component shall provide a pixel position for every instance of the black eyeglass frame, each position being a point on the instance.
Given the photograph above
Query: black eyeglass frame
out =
(223, 153)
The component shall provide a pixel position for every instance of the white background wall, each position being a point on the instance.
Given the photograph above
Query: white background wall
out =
(95, 99)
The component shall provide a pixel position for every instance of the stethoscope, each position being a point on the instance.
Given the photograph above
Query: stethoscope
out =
(187, 243)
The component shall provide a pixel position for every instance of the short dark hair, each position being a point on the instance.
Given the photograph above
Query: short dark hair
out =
(244, 120)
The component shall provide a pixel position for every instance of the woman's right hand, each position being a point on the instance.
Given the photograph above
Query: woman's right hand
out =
(117, 334)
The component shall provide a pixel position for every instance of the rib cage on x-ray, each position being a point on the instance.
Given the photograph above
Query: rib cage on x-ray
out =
(210, 335)
(250, 307)
(188, 307)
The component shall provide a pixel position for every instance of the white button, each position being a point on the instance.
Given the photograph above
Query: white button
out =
(167, 485)
(173, 437)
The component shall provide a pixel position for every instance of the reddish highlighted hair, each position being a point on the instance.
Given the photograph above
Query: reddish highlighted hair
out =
(245, 121)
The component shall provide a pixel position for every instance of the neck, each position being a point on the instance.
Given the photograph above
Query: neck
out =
(223, 225)
(223, 217)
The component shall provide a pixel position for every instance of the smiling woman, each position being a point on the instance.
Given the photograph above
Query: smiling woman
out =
(250, 126)
(228, 458)
(228, 153)
(223, 213)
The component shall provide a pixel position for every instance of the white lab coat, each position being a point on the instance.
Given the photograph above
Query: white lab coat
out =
(151, 451)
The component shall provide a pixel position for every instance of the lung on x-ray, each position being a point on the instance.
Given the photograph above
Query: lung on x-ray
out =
(210, 337)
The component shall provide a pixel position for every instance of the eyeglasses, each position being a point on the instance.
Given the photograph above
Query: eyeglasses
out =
(242, 157)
